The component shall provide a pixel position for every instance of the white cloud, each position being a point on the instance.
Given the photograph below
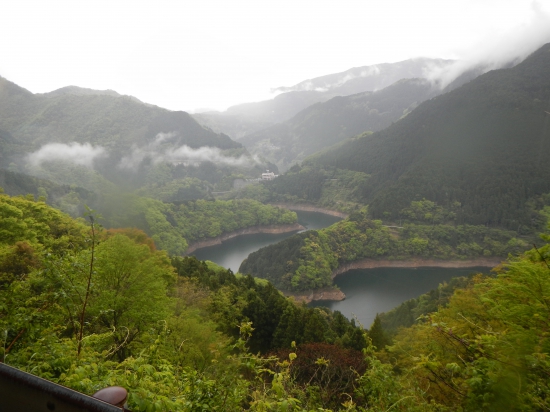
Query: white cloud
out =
(162, 52)
(499, 49)
(80, 154)
(179, 155)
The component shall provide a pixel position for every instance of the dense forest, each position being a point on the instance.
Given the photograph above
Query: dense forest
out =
(333, 189)
(137, 165)
(482, 145)
(105, 118)
(173, 226)
(77, 300)
(88, 308)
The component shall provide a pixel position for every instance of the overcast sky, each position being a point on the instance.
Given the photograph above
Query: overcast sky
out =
(190, 54)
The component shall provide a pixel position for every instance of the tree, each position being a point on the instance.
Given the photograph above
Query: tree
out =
(377, 334)
(130, 289)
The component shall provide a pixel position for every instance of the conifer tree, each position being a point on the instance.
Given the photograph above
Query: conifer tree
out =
(377, 334)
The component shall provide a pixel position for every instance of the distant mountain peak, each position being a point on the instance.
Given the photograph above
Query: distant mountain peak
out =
(82, 91)
(371, 75)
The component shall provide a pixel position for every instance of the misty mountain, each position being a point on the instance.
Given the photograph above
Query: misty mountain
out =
(234, 126)
(82, 91)
(6, 141)
(99, 139)
(69, 199)
(372, 78)
(104, 118)
(484, 145)
(325, 124)
(320, 89)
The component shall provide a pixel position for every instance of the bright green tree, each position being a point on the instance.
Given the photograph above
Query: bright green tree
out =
(130, 290)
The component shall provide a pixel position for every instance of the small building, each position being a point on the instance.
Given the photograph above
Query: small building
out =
(268, 175)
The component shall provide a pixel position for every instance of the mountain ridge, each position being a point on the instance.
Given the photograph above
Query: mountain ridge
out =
(250, 117)
(100, 117)
(481, 144)
(324, 124)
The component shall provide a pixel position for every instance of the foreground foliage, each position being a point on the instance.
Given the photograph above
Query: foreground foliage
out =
(181, 335)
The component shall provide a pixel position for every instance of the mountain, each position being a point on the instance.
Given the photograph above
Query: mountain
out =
(296, 98)
(484, 145)
(98, 117)
(99, 139)
(232, 125)
(325, 124)
(82, 91)
(138, 144)
(375, 77)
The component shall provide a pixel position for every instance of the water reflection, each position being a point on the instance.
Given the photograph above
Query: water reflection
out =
(372, 291)
(232, 252)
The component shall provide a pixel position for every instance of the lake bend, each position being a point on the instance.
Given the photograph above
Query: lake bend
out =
(372, 291)
(368, 291)
(232, 252)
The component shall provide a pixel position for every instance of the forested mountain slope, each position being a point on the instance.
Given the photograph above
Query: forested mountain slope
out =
(125, 159)
(82, 307)
(105, 119)
(325, 124)
(484, 145)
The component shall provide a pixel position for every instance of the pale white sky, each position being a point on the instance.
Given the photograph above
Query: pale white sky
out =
(191, 54)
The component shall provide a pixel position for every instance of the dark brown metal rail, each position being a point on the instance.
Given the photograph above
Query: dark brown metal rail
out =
(21, 391)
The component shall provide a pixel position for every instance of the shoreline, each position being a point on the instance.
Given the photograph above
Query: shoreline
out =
(416, 263)
(251, 230)
(334, 294)
(310, 208)
(329, 293)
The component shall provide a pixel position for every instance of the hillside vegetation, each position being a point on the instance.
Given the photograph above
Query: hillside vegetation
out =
(110, 120)
(174, 227)
(324, 124)
(97, 139)
(483, 145)
(80, 305)
(89, 308)
(138, 165)
(308, 260)
(461, 177)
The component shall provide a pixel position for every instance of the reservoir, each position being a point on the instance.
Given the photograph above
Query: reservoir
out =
(368, 291)
(232, 252)
(372, 291)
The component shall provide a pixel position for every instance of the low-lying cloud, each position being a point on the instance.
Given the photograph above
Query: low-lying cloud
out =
(345, 77)
(498, 51)
(79, 154)
(159, 150)
(179, 155)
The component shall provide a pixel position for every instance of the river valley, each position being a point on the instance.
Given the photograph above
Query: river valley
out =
(368, 291)
(232, 252)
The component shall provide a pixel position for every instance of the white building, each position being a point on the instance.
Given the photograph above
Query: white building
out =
(268, 175)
